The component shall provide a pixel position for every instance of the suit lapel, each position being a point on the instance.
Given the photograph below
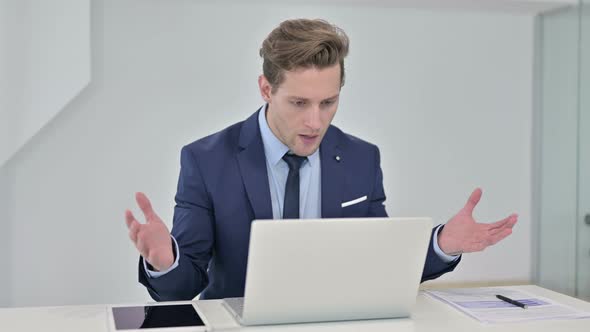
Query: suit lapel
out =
(332, 175)
(252, 162)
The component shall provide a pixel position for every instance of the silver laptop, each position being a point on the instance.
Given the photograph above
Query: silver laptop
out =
(317, 270)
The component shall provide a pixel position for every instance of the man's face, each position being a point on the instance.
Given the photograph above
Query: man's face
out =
(302, 107)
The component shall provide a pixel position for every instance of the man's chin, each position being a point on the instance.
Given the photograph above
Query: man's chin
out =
(305, 151)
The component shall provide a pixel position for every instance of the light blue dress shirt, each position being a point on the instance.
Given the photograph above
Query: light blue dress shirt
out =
(310, 185)
(309, 191)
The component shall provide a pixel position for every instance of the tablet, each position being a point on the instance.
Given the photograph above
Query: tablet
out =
(173, 316)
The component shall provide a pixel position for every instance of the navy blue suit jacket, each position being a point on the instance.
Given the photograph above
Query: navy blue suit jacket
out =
(223, 186)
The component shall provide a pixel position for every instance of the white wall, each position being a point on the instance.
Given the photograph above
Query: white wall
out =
(453, 111)
(5, 222)
(47, 52)
(446, 96)
(8, 18)
(5, 238)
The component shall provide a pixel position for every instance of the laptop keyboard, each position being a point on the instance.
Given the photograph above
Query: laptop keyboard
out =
(236, 303)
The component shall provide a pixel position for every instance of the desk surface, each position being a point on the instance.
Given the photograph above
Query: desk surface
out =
(429, 315)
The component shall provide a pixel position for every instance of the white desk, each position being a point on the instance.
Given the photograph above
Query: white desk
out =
(429, 315)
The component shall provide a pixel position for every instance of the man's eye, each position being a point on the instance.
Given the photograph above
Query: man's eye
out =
(298, 103)
(328, 102)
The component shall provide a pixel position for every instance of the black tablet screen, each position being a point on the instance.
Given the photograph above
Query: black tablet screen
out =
(134, 318)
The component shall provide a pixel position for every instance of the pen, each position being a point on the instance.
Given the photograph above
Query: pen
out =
(511, 301)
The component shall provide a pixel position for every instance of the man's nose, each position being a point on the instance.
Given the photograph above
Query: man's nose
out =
(313, 120)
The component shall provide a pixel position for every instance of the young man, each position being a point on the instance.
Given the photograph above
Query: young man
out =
(284, 161)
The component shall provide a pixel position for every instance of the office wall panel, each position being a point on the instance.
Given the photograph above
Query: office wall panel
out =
(6, 190)
(46, 53)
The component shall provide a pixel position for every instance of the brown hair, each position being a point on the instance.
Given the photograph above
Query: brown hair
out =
(302, 43)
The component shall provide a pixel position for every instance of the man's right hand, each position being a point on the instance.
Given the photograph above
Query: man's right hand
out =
(151, 239)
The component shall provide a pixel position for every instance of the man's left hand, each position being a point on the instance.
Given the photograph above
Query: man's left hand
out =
(463, 234)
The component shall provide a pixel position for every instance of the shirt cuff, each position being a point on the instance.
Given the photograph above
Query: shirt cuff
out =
(445, 258)
(156, 274)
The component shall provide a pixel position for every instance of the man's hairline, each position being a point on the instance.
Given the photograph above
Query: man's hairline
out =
(273, 88)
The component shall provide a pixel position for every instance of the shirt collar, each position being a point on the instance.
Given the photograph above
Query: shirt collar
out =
(274, 149)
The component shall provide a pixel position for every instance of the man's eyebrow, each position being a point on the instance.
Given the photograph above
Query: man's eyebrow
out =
(333, 97)
(307, 99)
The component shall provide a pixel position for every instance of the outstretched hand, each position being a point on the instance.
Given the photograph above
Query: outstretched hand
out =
(151, 239)
(463, 234)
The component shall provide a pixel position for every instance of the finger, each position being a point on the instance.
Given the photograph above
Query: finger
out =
(498, 225)
(140, 247)
(499, 236)
(145, 205)
(472, 201)
(481, 239)
(133, 225)
(509, 221)
(495, 232)
(133, 231)
(129, 218)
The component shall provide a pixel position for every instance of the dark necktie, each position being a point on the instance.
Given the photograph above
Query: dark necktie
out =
(291, 203)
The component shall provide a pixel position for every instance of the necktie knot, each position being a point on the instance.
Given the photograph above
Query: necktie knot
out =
(294, 161)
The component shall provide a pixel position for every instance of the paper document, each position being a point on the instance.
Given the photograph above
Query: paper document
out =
(482, 304)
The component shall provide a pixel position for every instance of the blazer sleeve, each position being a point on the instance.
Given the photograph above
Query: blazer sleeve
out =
(193, 229)
(434, 266)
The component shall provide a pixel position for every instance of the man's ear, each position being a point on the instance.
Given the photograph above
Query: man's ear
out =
(265, 88)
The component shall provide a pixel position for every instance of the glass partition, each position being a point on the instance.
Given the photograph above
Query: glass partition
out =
(562, 160)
